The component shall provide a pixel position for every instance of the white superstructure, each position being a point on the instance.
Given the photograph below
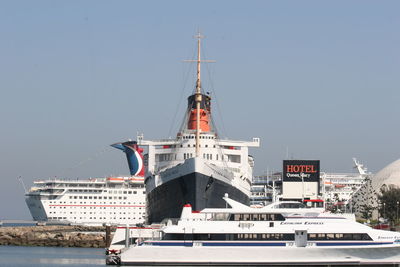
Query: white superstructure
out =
(112, 200)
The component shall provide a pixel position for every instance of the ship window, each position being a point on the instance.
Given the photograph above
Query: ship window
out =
(234, 158)
(339, 236)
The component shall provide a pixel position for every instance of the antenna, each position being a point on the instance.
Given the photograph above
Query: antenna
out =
(19, 178)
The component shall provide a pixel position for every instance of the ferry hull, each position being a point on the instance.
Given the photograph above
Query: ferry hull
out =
(199, 190)
(257, 256)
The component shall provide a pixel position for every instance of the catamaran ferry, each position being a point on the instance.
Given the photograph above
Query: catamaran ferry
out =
(112, 200)
(245, 236)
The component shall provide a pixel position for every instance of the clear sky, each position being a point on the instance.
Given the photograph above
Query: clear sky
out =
(319, 79)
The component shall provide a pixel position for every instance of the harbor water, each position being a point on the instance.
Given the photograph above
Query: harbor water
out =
(18, 256)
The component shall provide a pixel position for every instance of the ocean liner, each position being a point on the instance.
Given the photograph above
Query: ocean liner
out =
(196, 167)
(113, 200)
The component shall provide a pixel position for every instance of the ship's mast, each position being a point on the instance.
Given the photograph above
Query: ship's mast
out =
(198, 96)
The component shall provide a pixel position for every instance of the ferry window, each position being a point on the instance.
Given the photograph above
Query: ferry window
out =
(338, 236)
(85, 197)
(124, 192)
(321, 236)
(246, 217)
(357, 236)
(330, 236)
(129, 192)
(366, 237)
(347, 236)
(271, 224)
(216, 155)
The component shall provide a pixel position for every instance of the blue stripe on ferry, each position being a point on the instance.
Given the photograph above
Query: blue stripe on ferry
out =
(189, 244)
(324, 244)
(226, 244)
(277, 244)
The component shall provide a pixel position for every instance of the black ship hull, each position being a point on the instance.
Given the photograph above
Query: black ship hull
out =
(199, 190)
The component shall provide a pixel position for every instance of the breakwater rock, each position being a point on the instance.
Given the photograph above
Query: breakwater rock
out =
(59, 236)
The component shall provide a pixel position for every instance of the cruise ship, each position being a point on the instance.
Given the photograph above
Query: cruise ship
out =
(196, 167)
(95, 201)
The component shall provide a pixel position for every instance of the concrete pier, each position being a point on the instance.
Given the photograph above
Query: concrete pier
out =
(55, 235)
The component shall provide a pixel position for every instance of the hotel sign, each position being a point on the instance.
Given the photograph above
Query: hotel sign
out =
(300, 171)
